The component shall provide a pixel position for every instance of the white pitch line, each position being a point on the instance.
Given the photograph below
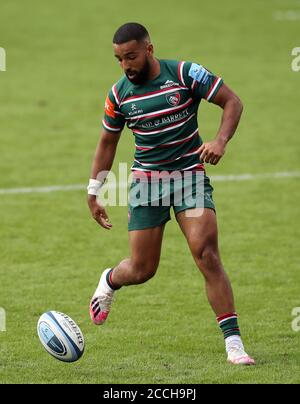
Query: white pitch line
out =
(249, 177)
(287, 15)
(33, 190)
(214, 178)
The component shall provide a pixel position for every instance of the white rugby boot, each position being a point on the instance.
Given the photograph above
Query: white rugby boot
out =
(101, 301)
(236, 352)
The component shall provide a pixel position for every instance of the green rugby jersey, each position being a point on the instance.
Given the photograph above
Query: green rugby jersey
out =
(162, 114)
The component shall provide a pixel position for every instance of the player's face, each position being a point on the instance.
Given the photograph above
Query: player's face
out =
(134, 58)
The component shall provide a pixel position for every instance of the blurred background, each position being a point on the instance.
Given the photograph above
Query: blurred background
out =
(59, 68)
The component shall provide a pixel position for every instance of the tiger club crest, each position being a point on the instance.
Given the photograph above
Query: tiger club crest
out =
(173, 99)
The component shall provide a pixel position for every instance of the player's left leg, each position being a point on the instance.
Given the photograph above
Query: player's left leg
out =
(200, 230)
(139, 268)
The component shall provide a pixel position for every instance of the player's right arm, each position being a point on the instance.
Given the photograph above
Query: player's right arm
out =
(113, 124)
(102, 163)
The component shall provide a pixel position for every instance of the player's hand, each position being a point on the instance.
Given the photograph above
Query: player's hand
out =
(98, 212)
(212, 152)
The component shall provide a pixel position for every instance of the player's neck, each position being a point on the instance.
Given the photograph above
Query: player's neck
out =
(154, 69)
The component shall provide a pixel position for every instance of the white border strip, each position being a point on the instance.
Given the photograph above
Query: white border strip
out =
(214, 178)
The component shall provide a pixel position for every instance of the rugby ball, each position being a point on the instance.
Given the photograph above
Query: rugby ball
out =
(60, 336)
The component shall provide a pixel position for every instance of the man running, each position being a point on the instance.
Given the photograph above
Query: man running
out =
(159, 101)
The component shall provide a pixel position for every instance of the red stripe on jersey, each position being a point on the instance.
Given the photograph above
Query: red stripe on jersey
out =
(179, 72)
(180, 141)
(175, 143)
(163, 112)
(136, 97)
(178, 123)
(119, 113)
(116, 94)
(211, 88)
(111, 126)
(194, 149)
(194, 85)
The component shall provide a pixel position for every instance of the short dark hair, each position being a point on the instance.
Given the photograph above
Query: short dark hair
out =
(130, 32)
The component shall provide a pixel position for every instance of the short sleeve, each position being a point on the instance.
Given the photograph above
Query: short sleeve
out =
(202, 82)
(114, 120)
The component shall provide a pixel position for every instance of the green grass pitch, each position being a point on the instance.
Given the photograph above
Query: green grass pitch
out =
(59, 69)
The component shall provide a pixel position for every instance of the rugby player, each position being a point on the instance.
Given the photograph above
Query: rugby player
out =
(159, 100)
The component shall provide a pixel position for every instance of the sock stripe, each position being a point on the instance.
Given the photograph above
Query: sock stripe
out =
(109, 280)
(229, 324)
(231, 330)
(110, 277)
(221, 322)
(226, 316)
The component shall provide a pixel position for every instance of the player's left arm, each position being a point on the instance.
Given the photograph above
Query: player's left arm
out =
(212, 152)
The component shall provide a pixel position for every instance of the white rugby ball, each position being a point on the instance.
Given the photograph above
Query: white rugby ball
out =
(60, 336)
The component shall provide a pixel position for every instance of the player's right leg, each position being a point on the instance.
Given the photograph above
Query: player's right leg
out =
(141, 266)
